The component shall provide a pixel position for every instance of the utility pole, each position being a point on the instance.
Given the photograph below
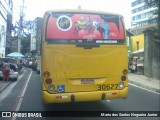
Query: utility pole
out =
(21, 25)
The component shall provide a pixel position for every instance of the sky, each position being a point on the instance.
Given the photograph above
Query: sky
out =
(37, 8)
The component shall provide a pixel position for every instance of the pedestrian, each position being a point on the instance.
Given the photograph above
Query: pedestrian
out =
(76, 29)
(5, 71)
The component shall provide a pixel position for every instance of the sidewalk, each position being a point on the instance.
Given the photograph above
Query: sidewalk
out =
(4, 85)
(145, 82)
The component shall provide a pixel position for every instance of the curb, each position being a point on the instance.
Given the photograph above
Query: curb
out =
(144, 86)
(9, 82)
(5, 87)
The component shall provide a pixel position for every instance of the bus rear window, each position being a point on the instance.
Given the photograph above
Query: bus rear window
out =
(73, 27)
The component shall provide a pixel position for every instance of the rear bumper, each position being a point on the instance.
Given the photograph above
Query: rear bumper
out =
(84, 96)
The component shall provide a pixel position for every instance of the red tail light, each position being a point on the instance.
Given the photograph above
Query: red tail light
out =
(123, 78)
(48, 81)
(114, 93)
(59, 97)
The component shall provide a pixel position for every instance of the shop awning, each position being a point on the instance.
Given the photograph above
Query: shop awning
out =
(138, 53)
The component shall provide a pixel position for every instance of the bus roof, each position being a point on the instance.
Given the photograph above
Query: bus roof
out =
(81, 11)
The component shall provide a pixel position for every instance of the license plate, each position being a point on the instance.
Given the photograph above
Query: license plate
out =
(87, 81)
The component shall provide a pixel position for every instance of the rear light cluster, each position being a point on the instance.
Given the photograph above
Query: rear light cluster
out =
(121, 84)
(51, 87)
(125, 71)
(48, 80)
(123, 78)
(46, 74)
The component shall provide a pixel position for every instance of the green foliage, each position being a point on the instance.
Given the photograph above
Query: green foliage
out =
(152, 3)
(155, 3)
(25, 43)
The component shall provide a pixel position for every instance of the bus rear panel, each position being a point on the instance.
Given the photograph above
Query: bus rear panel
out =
(84, 57)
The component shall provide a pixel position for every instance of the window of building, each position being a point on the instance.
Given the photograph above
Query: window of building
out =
(133, 18)
(134, 3)
(137, 2)
(145, 7)
(139, 9)
(133, 11)
(140, 1)
(143, 16)
(138, 17)
(137, 43)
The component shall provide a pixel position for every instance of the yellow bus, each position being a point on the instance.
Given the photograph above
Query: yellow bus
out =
(84, 56)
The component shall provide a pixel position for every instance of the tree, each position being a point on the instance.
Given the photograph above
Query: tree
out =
(25, 43)
(155, 3)
(152, 3)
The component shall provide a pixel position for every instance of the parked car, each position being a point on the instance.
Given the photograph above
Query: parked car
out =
(35, 62)
(24, 62)
(13, 75)
(38, 67)
(29, 63)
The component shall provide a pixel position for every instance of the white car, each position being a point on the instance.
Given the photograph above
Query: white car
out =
(13, 74)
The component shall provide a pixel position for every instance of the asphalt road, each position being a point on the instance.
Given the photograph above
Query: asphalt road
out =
(25, 95)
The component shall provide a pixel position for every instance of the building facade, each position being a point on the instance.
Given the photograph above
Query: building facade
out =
(129, 42)
(5, 26)
(144, 26)
(137, 42)
(142, 16)
(36, 32)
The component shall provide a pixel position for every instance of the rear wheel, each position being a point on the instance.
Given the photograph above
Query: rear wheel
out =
(38, 72)
(15, 79)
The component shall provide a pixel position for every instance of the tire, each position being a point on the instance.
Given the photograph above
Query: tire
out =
(38, 72)
(15, 79)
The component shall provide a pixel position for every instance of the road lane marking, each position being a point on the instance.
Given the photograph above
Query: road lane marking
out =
(9, 90)
(19, 101)
(143, 88)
